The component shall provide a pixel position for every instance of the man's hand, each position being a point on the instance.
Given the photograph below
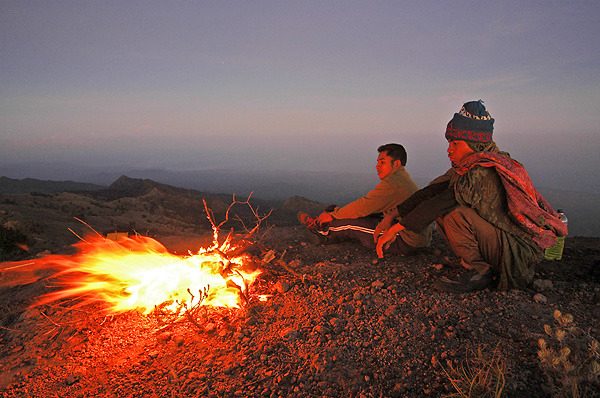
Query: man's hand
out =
(324, 218)
(383, 226)
(388, 237)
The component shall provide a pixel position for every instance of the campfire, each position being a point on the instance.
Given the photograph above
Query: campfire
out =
(139, 273)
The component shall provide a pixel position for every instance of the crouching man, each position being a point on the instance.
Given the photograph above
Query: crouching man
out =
(485, 206)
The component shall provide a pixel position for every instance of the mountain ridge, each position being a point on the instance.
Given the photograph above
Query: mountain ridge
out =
(582, 208)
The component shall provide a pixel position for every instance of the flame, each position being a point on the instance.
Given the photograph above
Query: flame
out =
(139, 273)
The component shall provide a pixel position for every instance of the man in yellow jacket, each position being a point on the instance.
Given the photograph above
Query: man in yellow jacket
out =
(357, 220)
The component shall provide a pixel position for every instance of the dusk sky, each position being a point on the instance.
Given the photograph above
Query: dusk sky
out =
(306, 85)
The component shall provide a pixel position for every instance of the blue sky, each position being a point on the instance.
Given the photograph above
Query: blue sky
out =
(307, 85)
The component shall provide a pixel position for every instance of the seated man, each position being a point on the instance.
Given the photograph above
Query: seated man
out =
(357, 220)
(485, 206)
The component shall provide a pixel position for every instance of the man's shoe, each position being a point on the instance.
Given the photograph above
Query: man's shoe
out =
(307, 221)
(313, 233)
(315, 237)
(466, 285)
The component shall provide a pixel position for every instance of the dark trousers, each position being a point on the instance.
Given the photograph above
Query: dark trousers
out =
(477, 242)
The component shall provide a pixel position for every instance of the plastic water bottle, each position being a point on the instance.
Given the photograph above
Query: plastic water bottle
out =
(555, 252)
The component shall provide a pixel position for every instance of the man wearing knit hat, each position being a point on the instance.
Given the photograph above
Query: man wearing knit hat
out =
(485, 206)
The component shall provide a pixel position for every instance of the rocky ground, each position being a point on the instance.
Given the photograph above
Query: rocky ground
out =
(337, 324)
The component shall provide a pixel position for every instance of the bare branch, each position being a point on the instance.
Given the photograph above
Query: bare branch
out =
(216, 228)
(87, 225)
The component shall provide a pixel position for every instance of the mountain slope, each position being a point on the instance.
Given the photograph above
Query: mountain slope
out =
(28, 185)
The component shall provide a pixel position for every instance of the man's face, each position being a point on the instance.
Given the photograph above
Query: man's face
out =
(458, 150)
(385, 165)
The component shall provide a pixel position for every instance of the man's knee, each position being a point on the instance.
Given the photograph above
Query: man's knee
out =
(472, 238)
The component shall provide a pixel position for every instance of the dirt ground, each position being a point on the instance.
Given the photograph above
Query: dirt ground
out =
(337, 324)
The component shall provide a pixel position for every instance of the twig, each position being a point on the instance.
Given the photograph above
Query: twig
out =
(216, 228)
(87, 225)
(291, 271)
(17, 266)
(255, 382)
(284, 265)
(5, 328)
(192, 320)
(80, 238)
(46, 316)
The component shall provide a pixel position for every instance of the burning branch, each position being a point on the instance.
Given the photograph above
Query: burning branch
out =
(183, 308)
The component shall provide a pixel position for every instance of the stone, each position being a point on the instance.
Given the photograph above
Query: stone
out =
(282, 286)
(542, 285)
(540, 298)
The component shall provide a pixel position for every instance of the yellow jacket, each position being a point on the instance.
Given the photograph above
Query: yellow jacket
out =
(389, 193)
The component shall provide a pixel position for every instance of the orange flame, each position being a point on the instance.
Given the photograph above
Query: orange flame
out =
(139, 273)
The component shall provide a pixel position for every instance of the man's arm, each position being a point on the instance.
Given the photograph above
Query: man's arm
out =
(425, 212)
(421, 196)
(376, 201)
(387, 238)
(422, 209)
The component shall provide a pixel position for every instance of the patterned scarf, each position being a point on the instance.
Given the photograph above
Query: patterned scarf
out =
(527, 207)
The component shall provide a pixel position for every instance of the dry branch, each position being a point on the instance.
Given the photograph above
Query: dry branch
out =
(217, 228)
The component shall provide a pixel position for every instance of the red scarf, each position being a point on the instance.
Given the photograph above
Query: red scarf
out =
(528, 208)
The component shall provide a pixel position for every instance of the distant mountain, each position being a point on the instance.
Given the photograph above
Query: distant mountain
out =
(271, 187)
(582, 208)
(30, 185)
(188, 204)
(51, 221)
(56, 171)
(326, 187)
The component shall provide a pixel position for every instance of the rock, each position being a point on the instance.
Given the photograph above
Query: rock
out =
(164, 337)
(179, 340)
(209, 327)
(377, 284)
(321, 329)
(398, 391)
(542, 285)
(296, 263)
(289, 334)
(282, 286)
(540, 298)
(391, 311)
(193, 375)
(434, 361)
(71, 379)
(223, 333)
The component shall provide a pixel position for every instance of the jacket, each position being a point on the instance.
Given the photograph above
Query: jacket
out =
(394, 189)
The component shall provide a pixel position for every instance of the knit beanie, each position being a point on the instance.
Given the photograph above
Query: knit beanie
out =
(471, 123)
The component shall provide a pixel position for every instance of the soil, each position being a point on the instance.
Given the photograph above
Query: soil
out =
(338, 323)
